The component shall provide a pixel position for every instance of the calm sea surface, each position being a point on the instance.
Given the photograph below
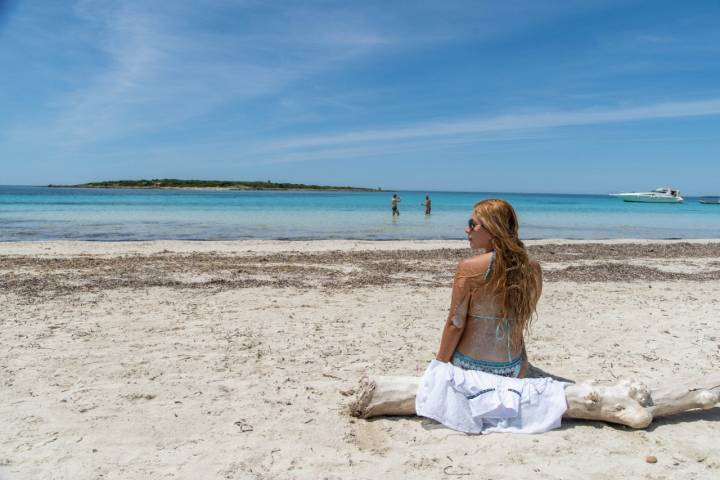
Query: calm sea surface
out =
(40, 213)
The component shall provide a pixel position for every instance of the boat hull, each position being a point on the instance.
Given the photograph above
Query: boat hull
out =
(649, 199)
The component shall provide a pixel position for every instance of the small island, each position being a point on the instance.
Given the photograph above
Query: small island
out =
(173, 183)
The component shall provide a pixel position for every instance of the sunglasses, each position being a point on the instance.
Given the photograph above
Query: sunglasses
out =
(472, 224)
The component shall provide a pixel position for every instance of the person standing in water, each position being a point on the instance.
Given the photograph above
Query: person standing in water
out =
(428, 205)
(394, 202)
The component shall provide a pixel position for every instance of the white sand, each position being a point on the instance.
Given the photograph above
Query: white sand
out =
(164, 383)
(240, 247)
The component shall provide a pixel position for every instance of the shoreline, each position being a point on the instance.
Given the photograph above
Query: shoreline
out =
(357, 190)
(75, 247)
(235, 188)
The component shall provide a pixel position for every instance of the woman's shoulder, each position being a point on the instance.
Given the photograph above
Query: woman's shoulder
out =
(475, 265)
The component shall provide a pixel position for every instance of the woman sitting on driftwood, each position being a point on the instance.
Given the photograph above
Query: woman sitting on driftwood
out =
(476, 384)
(494, 296)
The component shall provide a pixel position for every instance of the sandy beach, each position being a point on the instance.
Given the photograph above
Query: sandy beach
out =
(235, 360)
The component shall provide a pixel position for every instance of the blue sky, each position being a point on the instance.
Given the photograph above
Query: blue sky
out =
(523, 96)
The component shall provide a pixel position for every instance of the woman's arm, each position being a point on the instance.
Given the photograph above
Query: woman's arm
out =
(448, 343)
(455, 323)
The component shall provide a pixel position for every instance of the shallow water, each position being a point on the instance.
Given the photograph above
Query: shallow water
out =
(41, 213)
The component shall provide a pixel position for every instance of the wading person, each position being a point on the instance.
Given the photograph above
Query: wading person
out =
(394, 204)
(428, 205)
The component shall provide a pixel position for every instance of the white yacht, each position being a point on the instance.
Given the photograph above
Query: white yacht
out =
(660, 195)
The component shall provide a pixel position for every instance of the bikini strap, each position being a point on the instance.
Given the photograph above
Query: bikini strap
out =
(503, 330)
(507, 329)
(490, 265)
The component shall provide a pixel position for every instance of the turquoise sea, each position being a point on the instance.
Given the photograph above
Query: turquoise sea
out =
(41, 213)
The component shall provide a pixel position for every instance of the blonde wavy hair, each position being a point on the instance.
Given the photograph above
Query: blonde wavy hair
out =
(513, 279)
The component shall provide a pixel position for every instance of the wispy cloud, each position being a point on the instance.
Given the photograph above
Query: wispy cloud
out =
(161, 70)
(166, 65)
(474, 129)
(377, 149)
(438, 136)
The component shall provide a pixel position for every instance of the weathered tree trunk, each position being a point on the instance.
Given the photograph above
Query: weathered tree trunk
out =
(627, 402)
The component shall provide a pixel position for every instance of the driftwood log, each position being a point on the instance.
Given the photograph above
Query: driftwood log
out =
(628, 402)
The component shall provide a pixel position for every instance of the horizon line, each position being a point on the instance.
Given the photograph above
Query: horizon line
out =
(372, 190)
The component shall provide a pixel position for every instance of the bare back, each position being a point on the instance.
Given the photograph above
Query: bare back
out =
(486, 335)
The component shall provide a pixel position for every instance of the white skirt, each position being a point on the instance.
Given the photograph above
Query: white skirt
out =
(472, 401)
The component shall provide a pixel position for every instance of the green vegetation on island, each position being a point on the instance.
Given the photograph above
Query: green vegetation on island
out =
(211, 184)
